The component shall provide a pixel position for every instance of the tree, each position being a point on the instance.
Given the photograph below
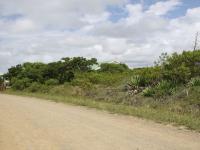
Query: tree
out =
(181, 67)
(66, 76)
(33, 71)
(14, 71)
(113, 68)
(79, 63)
(20, 84)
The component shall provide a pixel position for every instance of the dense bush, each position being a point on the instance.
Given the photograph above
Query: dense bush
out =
(148, 92)
(113, 67)
(103, 78)
(180, 68)
(38, 87)
(84, 83)
(62, 70)
(163, 88)
(1, 80)
(194, 97)
(180, 74)
(20, 84)
(170, 70)
(52, 82)
(146, 76)
(66, 76)
(34, 87)
(138, 81)
(194, 82)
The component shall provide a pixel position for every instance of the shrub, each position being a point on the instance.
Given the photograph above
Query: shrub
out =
(148, 92)
(104, 78)
(179, 74)
(37, 87)
(180, 68)
(113, 67)
(84, 83)
(164, 88)
(101, 78)
(194, 81)
(94, 78)
(52, 82)
(149, 76)
(138, 81)
(66, 76)
(194, 96)
(1, 80)
(20, 84)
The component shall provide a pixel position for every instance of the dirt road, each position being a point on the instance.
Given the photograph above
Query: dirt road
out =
(33, 124)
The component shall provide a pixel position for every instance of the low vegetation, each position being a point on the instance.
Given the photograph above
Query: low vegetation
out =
(1, 79)
(166, 92)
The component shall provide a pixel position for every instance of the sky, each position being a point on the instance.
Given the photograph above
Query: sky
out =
(135, 32)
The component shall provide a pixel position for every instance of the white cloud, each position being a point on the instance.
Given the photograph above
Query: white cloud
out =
(93, 19)
(135, 13)
(23, 25)
(115, 46)
(56, 13)
(49, 30)
(161, 8)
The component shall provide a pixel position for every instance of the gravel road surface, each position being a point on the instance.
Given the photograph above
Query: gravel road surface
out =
(34, 124)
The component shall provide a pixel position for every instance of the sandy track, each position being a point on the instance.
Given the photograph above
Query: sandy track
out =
(33, 124)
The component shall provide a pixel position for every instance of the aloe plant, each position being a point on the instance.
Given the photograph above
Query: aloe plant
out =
(138, 81)
(194, 82)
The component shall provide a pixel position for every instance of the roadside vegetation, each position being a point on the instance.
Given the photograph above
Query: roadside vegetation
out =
(168, 92)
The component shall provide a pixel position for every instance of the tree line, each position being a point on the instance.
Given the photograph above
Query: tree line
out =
(168, 71)
(59, 72)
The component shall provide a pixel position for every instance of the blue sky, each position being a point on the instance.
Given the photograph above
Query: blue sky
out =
(119, 12)
(130, 31)
(181, 10)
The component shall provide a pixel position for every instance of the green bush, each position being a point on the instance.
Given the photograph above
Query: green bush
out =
(38, 87)
(94, 78)
(104, 78)
(164, 88)
(180, 74)
(101, 78)
(20, 84)
(35, 87)
(84, 83)
(1, 80)
(66, 76)
(52, 82)
(194, 82)
(144, 77)
(113, 67)
(180, 68)
(194, 97)
(148, 92)
(138, 81)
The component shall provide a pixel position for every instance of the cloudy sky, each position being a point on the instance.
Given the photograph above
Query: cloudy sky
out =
(130, 31)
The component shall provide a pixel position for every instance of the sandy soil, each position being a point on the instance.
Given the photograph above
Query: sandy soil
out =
(33, 124)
